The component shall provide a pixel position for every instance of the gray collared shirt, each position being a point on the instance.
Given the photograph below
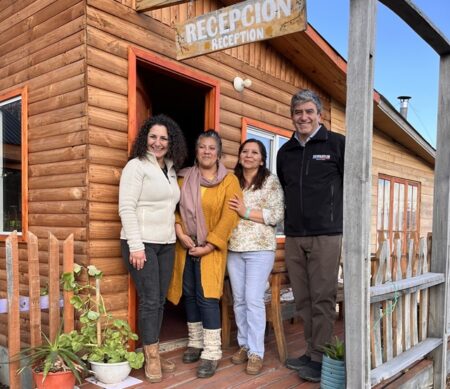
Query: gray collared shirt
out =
(303, 143)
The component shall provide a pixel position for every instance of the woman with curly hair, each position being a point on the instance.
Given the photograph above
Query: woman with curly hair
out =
(148, 196)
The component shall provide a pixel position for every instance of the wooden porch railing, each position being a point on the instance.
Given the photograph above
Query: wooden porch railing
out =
(399, 308)
(12, 276)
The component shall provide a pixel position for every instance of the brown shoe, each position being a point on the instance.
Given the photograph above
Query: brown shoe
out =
(166, 365)
(254, 364)
(240, 356)
(152, 363)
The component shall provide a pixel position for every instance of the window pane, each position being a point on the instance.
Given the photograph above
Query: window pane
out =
(10, 157)
(380, 204)
(387, 198)
(395, 206)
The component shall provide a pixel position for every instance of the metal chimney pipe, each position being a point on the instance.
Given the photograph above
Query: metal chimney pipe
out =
(404, 100)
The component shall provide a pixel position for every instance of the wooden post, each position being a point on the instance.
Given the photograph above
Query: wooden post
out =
(53, 285)
(34, 284)
(438, 316)
(357, 188)
(12, 280)
(68, 267)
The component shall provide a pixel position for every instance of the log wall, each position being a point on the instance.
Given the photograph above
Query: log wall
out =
(42, 46)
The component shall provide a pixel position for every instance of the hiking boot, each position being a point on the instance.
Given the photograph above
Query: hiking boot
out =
(192, 354)
(311, 372)
(207, 368)
(240, 356)
(297, 363)
(254, 364)
(166, 365)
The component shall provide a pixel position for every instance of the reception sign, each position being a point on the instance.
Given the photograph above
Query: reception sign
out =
(241, 23)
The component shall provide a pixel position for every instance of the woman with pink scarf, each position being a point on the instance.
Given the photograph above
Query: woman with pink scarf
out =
(203, 226)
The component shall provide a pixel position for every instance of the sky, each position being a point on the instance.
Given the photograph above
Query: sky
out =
(404, 63)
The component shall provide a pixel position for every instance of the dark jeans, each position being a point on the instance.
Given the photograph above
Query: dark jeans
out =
(198, 307)
(152, 283)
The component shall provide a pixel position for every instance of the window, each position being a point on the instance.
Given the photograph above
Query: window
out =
(272, 138)
(398, 208)
(13, 165)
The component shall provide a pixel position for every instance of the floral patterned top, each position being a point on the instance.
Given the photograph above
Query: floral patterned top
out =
(252, 236)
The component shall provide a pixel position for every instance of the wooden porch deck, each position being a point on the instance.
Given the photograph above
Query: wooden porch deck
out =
(274, 374)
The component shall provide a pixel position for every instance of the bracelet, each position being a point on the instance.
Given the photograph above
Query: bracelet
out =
(247, 213)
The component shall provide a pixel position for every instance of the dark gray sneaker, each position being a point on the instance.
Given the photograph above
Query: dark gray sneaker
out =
(311, 372)
(297, 363)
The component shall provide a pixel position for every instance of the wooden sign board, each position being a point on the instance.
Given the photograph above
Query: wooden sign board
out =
(150, 5)
(241, 23)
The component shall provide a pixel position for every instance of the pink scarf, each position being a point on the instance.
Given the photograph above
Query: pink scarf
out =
(191, 200)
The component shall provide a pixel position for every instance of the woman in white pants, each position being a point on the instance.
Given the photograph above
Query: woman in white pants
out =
(252, 250)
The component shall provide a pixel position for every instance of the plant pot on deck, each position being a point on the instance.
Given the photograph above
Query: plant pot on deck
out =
(60, 380)
(111, 373)
(333, 373)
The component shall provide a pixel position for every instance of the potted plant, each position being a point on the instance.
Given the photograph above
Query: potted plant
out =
(54, 364)
(333, 365)
(105, 339)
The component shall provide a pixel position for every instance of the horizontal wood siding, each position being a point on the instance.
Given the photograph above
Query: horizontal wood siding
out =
(393, 159)
(42, 45)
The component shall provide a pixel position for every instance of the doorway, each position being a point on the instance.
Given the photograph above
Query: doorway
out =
(157, 85)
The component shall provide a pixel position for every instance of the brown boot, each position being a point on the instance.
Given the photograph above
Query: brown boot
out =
(152, 363)
(166, 365)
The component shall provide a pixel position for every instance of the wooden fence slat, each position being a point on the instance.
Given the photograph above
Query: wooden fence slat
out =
(53, 287)
(375, 309)
(414, 296)
(407, 300)
(68, 267)
(387, 308)
(397, 321)
(34, 289)
(423, 311)
(12, 269)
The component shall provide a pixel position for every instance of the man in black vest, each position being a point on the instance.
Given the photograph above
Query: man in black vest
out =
(310, 167)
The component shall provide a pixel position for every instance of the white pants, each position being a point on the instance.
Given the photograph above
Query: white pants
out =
(249, 272)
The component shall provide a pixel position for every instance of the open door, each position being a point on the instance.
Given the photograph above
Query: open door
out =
(158, 85)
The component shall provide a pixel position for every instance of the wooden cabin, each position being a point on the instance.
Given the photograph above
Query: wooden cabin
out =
(78, 77)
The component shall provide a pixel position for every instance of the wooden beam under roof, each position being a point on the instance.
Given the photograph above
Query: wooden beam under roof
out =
(420, 23)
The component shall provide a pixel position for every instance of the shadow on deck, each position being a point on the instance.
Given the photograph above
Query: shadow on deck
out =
(274, 374)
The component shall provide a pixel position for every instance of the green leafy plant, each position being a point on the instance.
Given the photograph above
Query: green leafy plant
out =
(53, 357)
(104, 338)
(335, 349)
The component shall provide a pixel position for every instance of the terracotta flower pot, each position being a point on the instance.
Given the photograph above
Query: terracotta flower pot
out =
(60, 380)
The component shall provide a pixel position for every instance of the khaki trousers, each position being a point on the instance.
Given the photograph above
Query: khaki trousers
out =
(313, 265)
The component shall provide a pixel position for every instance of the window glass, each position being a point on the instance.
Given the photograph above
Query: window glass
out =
(11, 165)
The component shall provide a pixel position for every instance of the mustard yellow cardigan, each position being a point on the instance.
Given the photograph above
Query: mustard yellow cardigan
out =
(220, 221)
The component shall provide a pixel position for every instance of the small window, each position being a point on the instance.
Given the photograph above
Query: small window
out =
(12, 165)
(398, 209)
(272, 138)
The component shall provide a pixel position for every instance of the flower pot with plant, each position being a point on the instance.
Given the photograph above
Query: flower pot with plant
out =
(333, 365)
(105, 338)
(54, 364)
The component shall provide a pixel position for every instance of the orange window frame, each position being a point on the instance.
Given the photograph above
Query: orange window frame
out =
(23, 93)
